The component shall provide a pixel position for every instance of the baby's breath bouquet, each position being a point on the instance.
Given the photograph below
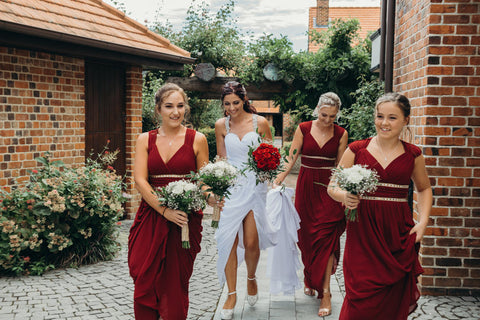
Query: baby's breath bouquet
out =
(218, 176)
(184, 196)
(357, 180)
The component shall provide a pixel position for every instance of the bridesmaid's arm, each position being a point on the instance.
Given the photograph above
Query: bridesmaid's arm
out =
(424, 196)
(342, 146)
(140, 175)
(350, 201)
(220, 133)
(292, 157)
(264, 129)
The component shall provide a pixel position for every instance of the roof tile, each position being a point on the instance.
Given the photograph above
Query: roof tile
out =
(91, 19)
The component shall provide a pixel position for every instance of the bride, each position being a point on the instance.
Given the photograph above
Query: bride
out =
(243, 229)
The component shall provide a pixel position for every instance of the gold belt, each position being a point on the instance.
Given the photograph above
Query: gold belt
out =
(167, 176)
(318, 157)
(318, 168)
(392, 185)
(384, 199)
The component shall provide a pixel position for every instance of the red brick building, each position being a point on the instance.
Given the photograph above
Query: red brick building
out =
(71, 79)
(326, 11)
(437, 66)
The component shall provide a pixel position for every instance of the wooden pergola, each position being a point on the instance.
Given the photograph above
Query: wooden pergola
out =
(212, 89)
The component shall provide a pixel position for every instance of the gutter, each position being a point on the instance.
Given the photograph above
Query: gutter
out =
(58, 36)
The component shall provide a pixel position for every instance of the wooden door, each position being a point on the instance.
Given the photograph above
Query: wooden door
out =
(105, 109)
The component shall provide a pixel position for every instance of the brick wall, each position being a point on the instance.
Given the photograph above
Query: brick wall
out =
(134, 128)
(437, 66)
(42, 109)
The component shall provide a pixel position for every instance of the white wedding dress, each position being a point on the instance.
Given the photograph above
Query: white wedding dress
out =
(245, 196)
(277, 229)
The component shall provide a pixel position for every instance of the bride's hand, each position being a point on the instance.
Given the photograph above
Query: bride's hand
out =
(212, 201)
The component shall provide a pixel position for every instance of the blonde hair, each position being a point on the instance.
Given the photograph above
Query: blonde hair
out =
(328, 99)
(164, 92)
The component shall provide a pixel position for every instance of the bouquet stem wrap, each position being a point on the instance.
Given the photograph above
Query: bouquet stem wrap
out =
(185, 237)
(216, 212)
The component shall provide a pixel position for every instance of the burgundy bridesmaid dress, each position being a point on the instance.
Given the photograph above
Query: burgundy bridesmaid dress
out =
(159, 266)
(322, 219)
(381, 257)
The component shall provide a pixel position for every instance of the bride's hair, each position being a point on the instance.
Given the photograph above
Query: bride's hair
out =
(239, 90)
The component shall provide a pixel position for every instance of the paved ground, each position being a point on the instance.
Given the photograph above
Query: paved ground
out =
(105, 290)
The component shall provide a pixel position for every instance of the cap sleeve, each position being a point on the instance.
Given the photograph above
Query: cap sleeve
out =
(414, 150)
(357, 145)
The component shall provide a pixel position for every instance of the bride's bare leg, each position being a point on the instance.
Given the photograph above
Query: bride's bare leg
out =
(252, 251)
(231, 276)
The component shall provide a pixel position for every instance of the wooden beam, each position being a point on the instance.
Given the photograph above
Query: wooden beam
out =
(212, 89)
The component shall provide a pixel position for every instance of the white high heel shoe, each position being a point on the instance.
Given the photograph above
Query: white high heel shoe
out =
(227, 314)
(252, 299)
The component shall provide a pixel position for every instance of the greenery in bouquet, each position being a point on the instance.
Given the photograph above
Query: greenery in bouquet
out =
(185, 196)
(358, 180)
(63, 217)
(264, 161)
(218, 177)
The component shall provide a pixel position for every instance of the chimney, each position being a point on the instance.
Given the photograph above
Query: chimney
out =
(322, 13)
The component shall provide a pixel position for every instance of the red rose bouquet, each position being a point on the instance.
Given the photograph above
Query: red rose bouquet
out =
(264, 161)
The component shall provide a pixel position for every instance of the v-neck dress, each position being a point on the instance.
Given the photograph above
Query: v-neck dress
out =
(245, 196)
(381, 257)
(159, 266)
(322, 219)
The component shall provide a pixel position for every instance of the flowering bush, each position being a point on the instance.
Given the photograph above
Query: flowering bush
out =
(218, 176)
(62, 217)
(357, 180)
(264, 161)
(184, 196)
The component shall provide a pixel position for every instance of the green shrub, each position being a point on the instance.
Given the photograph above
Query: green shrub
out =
(63, 217)
(212, 143)
(359, 118)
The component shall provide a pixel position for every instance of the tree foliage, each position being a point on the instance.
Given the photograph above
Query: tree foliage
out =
(359, 119)
(209, 37)
(337, 66)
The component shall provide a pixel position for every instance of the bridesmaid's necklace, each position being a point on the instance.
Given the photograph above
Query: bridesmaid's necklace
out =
(170, 142)
(381, 149)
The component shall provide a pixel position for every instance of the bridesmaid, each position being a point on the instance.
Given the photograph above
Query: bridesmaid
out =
(321, 144)
(381, 252)
(159, 266)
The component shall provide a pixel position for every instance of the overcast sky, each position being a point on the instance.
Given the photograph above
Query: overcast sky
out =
(278, 17)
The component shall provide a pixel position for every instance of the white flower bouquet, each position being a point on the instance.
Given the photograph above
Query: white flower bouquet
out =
(184, 196)
(357, 180)
(218, 177)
